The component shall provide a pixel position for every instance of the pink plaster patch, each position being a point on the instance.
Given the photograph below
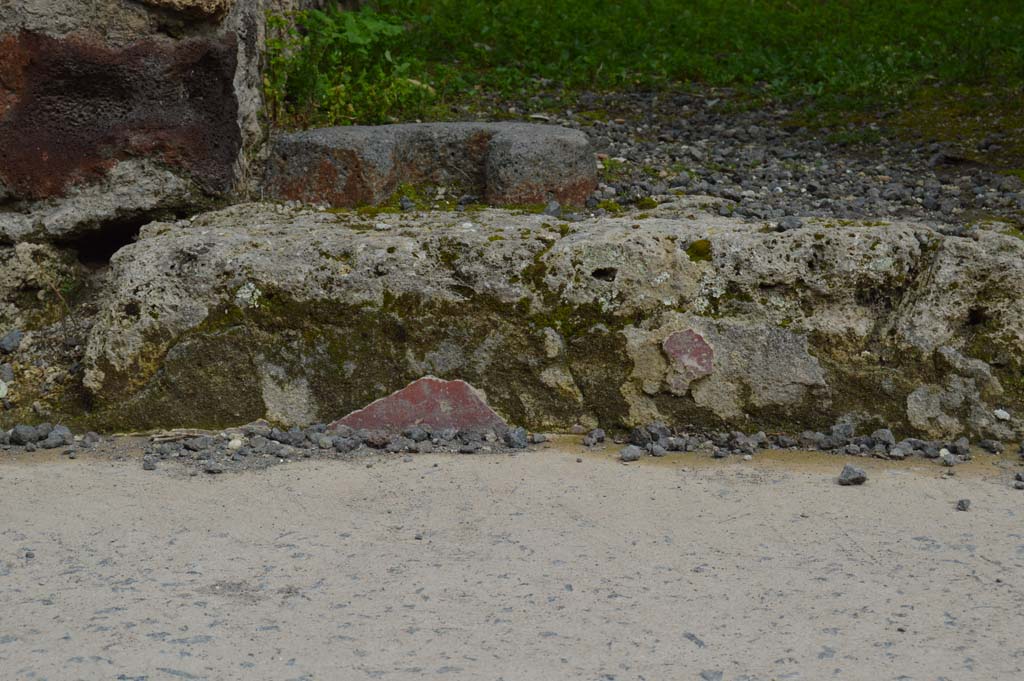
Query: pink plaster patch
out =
(427, 401)
(691, 358)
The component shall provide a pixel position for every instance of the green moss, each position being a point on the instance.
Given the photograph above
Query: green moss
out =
(610, 206)
(612, 169)
(646, 203)
(699, 250)
(594, 115)
(348, 355)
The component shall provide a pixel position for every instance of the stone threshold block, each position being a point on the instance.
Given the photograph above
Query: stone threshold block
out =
(501, 163)
(299, 316)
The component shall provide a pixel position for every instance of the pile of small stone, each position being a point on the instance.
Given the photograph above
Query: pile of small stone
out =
(657, 439)
(42, 436)
(45, 437)
(260, 445)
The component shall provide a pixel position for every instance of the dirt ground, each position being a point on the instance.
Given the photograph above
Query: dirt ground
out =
(533, 566)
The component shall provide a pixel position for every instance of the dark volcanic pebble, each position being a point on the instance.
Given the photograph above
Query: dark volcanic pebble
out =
(631, 453)
(417, 433)
(851, 475)
(992, 446)
(23, 435)
(517, 438)
(640, 437)
(11, 341)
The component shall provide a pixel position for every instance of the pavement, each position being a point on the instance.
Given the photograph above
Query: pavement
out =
(529, 566)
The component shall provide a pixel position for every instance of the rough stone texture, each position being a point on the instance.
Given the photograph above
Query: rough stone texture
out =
(758, 366)
(105, 120)
(503, 163)
(690, 358)
(263, 310)
(30, 276)
(851, 475)
(428, 401)
(210, 8)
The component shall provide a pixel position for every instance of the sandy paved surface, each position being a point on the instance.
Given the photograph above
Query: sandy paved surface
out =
(527, 567)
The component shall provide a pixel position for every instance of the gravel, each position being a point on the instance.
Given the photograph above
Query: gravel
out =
(763, 165)
(258, 445)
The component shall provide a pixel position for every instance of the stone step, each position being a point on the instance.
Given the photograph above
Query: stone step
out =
(501, 163)
(677, 315)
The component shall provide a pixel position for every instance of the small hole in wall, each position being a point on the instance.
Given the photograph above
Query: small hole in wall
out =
(605, 273)
(96, 248)
(977, 316)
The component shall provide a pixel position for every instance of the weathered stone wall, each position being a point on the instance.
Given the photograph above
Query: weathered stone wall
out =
(116, 111)
(683, 317)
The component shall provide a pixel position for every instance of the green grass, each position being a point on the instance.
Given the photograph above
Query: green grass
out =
(840, 54)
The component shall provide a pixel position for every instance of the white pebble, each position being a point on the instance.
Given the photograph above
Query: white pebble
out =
(235, 444)
(1002, 414)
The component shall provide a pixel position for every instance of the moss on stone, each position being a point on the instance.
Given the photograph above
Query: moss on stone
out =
(348, 355)
(699, 250)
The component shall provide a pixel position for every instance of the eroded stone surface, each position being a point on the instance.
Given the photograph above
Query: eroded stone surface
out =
(691, 358)
(203, 7)
(105, 120)
(501, 163)
(264, 310)
(73, 109)
(30, 274)
(428, 401)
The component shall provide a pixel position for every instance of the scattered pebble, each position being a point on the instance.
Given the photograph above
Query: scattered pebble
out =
(517, 438)
(594, 437)
(11, 341)
(963, 505)
(851, 475)
(631, 453)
